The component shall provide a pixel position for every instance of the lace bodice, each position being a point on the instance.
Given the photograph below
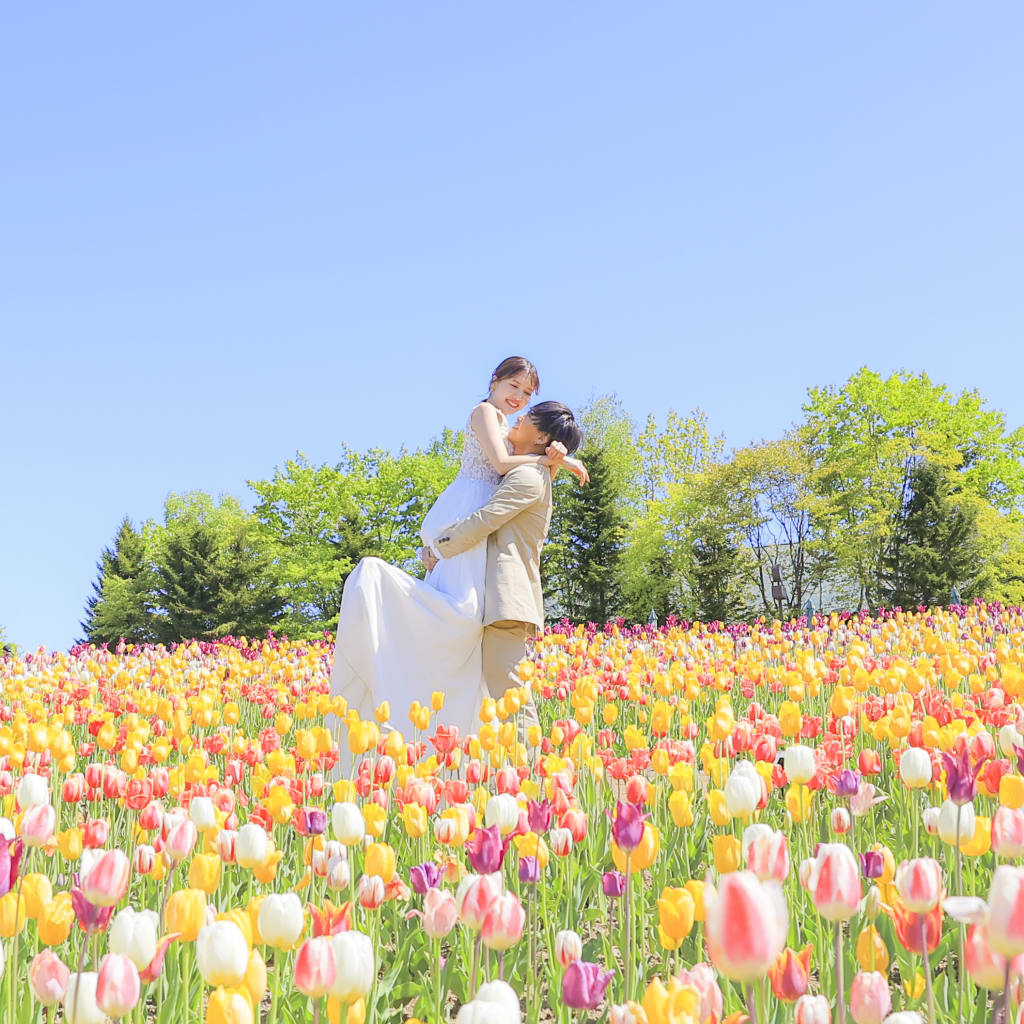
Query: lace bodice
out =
(475, 465)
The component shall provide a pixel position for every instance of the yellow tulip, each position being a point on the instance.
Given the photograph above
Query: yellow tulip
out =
(872, 952)
(204, 872)
(375, 819)
(414, 817)
(1011, 791)
(533, 845)
(380, 860)
(675, 916)
(680, 808)
(36, 891)
(229, 1006)
(356, 1011)
(799, 800)
(54, 922)
(255, 980)
(186, 913)
(718, 808)
(727, 853)
(13, 915)
(675, 1004)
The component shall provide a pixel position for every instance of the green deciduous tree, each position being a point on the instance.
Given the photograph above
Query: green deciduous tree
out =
(863, 440)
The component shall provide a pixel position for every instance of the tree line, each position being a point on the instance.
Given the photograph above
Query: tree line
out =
(888, 492)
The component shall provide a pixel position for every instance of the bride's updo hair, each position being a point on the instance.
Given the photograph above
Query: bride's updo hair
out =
(516, 366)
(557, 421)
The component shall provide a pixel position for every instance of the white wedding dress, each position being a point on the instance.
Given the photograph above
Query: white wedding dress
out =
(400, 638)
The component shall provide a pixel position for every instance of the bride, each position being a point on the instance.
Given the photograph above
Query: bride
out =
(401, 639)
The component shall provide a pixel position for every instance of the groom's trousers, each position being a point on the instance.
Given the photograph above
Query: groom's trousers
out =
(504, 646)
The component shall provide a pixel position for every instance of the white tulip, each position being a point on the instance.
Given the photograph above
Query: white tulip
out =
(930, 820)
(348, 824)
(202, 813)
(1008, 739)
(33, 790)
(503, 811)
(948, 822)
(799, 764)
(7, 829)
(222, 954)
(915, 768)
(353, 953)
(743, 790)
(495, 1003)
(251, 845)
(133, 934)
(80, 1005)
(280, 920)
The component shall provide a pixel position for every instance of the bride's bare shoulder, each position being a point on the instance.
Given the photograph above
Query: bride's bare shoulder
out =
(484, 412)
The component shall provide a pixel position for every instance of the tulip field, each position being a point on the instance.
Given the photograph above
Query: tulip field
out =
(807, 821)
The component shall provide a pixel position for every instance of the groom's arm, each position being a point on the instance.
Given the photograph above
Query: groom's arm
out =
(519, 489)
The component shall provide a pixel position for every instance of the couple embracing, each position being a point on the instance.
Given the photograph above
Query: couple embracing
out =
(464, 628)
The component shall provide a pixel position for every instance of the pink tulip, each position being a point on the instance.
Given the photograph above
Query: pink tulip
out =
(1008, 833)
(107, 880)
(118, 986)
(370, 891)
(48, 977)
(746, 925)
(812, 1010)
(919, 883)
(315, 967)
(702, 978)
(38, 824)
(870, 999)
(475, 895)
(768, 857)
(835, 883)
(439, 913)
(1006, 911)
(503, 923)
(181, 840)
(984, 965)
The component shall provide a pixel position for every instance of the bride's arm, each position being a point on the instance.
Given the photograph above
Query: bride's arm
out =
(484, 423)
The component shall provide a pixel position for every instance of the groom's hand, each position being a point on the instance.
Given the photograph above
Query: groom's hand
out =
(428, 558)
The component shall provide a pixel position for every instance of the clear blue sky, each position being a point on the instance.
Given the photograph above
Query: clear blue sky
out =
(232, 231)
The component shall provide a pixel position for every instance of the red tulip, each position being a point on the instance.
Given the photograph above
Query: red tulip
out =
(107, 880)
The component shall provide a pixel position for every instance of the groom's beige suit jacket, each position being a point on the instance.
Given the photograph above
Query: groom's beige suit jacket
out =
(515, 524)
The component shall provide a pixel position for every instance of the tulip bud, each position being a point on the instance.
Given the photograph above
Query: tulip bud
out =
(956, 820)
(503, 922)
(107, 880)
(202, 814)
(280, 920)
(80, 1000)
(356, 968)
(930, 820)
(915, 768)
(33, 791)
(370, 891)
(568, 947)
(251, 845)
(799, 764)
(919, 882)
(812, 1010)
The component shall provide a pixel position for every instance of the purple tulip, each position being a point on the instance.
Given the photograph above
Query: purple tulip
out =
(316, 821)
(424, 876)
(583, 985)
(486, 851)
(538, 815)
(628, 826)
(10, 863)
(529, 870)
(961, 779)
(614, 884)
(848, 783)
(872, 863)
(90, 917)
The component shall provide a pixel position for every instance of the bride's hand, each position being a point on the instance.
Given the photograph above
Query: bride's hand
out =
(428, 558)
(554, 455)
(578, 470)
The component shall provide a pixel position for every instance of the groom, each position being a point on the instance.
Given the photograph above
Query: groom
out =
(515, 524)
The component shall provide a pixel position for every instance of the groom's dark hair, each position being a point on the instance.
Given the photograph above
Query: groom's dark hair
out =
(557, 421)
